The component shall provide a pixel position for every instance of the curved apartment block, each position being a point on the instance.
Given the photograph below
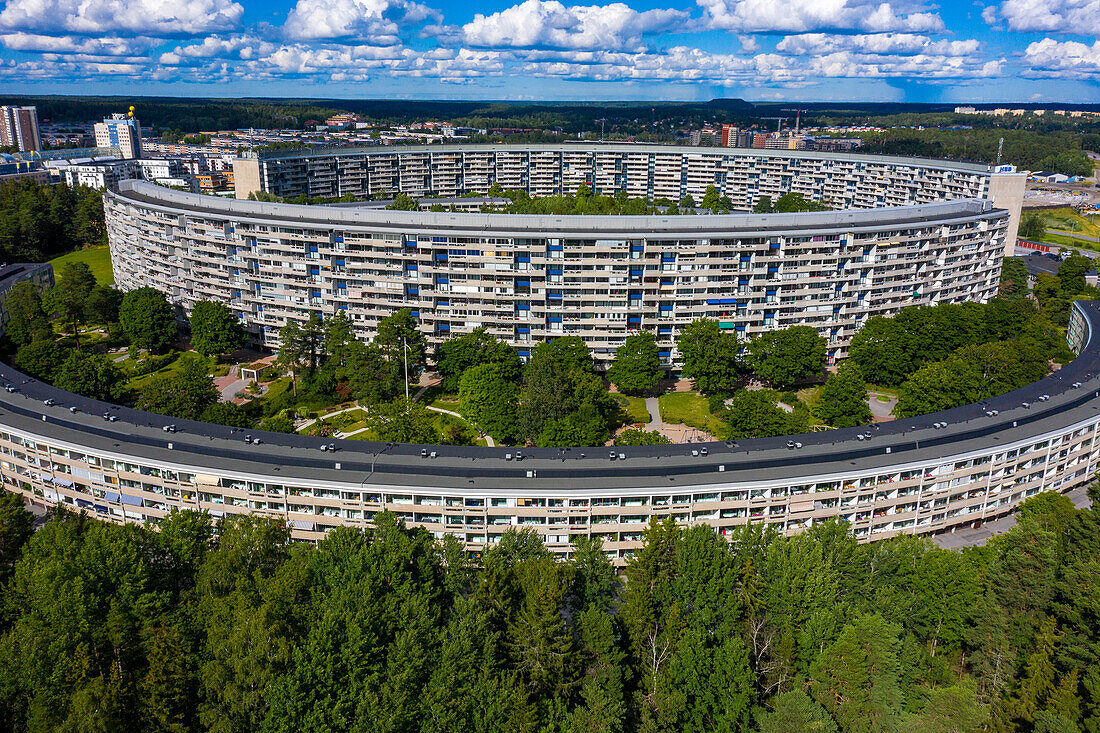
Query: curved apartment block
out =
(910, 232)
(922, 475)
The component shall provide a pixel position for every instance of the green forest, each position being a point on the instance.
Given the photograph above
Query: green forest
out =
(39, 222)
(228, 626)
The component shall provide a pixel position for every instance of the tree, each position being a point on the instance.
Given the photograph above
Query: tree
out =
(755, 414)
(795, 710)
(404, 202)
(41, 359)
(300, 345)
(1032, 226)
(883, 351)
(763, 205)
(971, 374)
(1014, 278)
(214, 329)
(568, 353)
(843, 401)
(338, 334)
(637, 365)
(562, 401)
(403, 421)
(711, 200)
(370, 375)
(277, 424)
(148, 319)
(91, 375)
(489, 395)
(184, 393)
(788, 355)
(104, 304)
(709, 355)
(795, 202)
(457, 354)
(69, 297)
(226, 413)
(400, 338)
(1071, 274)
(27, 320)
(634, 436)
(857, 677)
(16, 527)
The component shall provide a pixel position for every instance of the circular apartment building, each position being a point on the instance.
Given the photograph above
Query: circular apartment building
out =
(922, 475)
(904, 232)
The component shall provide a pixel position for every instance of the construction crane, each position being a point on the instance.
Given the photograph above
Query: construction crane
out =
(602, 121)
(779, 122)
(797, 119)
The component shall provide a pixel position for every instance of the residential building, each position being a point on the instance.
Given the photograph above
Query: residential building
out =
(19, 128)
(122, 131)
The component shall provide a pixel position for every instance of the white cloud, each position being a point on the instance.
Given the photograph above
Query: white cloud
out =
(371, 21)
(109, 46)
(769, 16)
(1066, 60)
(550, 24)
(683, 64)
(93, 17)
(1079, 17)
(813, 44)
(236, 47)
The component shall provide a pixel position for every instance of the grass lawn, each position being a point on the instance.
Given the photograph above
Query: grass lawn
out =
(446, 402)
(1068, 220)
(891, 391)
(689, 408)
(138, 383)
(810, 396)
(97, 258)
(634, 407)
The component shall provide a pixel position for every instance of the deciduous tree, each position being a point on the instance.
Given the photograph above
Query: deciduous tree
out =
(788, 355)
(637, 365)
(709, 355)
(148, 319)
(214, 329)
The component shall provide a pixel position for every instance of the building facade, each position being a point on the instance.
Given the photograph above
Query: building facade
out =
(103, 175)
(532, 278)
(19, 128)
(120, 131)
(924, 475)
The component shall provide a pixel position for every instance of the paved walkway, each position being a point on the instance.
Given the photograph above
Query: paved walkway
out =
(307, 423)
(881, 411)
(488, 438)
(654, 408)
(675, 433)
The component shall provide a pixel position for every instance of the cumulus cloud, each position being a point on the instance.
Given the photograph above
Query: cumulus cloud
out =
(243, 47)
(1067, 59)
(106, 46)
(94, 17)
(1080, 17)
(550, 24)
(812, 44)
(371, 21)
(768, 16)
(684, 64)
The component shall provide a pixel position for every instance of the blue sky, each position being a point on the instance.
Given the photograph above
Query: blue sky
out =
(815, 50)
